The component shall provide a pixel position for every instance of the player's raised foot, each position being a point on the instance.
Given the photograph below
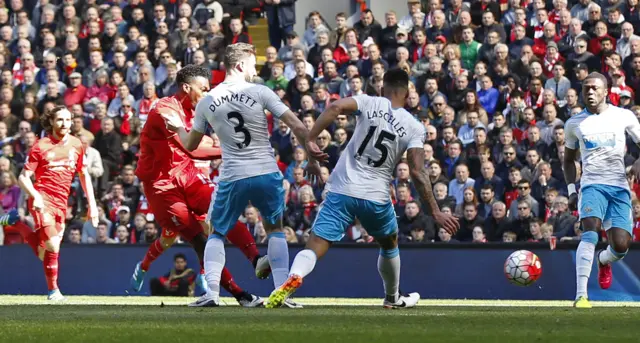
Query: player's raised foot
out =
(604, 274)
(10, 218)
(282, 293)
(404, 301)
(250, 300)
(137, 279)
(205, 301)
(263, 268)
(582, 302)
(55, 295)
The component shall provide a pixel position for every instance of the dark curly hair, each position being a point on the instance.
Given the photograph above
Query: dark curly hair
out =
(45, 118)
(190, 72)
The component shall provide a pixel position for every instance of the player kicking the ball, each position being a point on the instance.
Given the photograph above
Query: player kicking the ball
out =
(249, 173)
(359, 185)
(178, 193)
(53, 161)
(605, 198)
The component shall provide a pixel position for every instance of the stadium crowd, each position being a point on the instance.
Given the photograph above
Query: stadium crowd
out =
(492, 82)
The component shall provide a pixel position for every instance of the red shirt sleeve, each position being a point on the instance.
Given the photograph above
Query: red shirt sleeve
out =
(34, 158)
(81, 162)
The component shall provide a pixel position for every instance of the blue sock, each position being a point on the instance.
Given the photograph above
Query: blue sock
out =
(584, 261)
(278, 253)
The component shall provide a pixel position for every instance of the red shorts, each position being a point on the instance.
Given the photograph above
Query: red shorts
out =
(181, 208)
(49, 223)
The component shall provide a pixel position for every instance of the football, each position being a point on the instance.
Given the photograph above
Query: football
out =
(522, 268)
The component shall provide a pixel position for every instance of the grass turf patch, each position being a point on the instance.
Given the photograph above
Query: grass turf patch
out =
(154, 324)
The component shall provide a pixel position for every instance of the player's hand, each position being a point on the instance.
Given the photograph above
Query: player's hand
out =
(94, 215)
(313, 171)
(315, 153)
(172, 121)
(573, 202)
(38, 203)
(447, 222)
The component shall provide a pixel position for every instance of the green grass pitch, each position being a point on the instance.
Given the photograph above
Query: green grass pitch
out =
(145, 320)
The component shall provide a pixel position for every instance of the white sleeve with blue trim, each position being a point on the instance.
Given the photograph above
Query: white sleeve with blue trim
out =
(200, 121)
(633, 126)
(570, 138)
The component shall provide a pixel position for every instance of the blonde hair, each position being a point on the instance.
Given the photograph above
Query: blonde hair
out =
(235, 53)
(306, 189)
(546, 229)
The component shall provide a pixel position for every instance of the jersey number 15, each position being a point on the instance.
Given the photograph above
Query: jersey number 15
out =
(384, 152)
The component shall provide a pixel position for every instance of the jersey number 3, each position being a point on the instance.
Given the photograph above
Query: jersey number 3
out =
(384, 152)
(240, 128)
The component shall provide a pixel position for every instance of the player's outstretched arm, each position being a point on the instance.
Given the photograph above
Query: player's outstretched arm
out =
(633, 129)
(415, 157)
(343, 106)
(85, 182)
(571, 175)
(302, 134)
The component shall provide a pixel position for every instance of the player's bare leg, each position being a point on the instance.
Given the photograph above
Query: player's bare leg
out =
(584, 259)
(619, 240)
(155, 250)
(303, 265)
(389, 269)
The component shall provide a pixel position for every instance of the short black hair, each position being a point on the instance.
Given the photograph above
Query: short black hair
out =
(396, 80)
(190, 72)
(179, 255)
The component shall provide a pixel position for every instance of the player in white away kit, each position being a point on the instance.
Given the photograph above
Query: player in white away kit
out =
(359, 185)
(605, 198)
(235, 109)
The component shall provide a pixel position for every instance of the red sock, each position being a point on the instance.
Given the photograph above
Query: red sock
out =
(155, 250)
(50, 263)
(226, 281)
(242, 238)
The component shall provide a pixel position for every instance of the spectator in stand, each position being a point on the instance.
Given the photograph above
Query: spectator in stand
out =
(414, 220)
(469, 220)
(469, 197)
(109, 143)
(524, 195)
(460, 183)
(102, 234)
(76, 92)
(562, 220)
(179, 282)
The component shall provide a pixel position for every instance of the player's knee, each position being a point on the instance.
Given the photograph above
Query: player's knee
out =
(591, 224)
(167, 242)
(53, 244)
(389, 253)
(620, 243)
(389, 242)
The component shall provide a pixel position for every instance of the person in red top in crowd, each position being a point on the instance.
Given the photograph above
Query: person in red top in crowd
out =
(54, 161)
(76, 92)
(551, 58)
(549, 197)
(341, 53)
(237, 34)
(177, 192)
(636, 220)
(618, 86)
(511, 189)
(597, 43)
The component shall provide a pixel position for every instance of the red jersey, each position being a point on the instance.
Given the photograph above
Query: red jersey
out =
(55, 163)
(160, 158)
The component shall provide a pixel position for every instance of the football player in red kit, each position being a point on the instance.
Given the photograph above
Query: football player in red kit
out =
(53, 161)
(177, 191)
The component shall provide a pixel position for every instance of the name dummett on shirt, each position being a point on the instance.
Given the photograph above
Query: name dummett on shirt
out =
(243, 98)
(389, 118)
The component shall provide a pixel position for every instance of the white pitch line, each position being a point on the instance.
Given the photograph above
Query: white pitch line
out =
(12, 300)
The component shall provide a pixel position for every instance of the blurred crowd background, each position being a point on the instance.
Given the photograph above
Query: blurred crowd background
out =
(492, 81)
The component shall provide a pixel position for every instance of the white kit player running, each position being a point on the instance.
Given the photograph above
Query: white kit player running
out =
(605, 199)
(235, 110)
(359, 185)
